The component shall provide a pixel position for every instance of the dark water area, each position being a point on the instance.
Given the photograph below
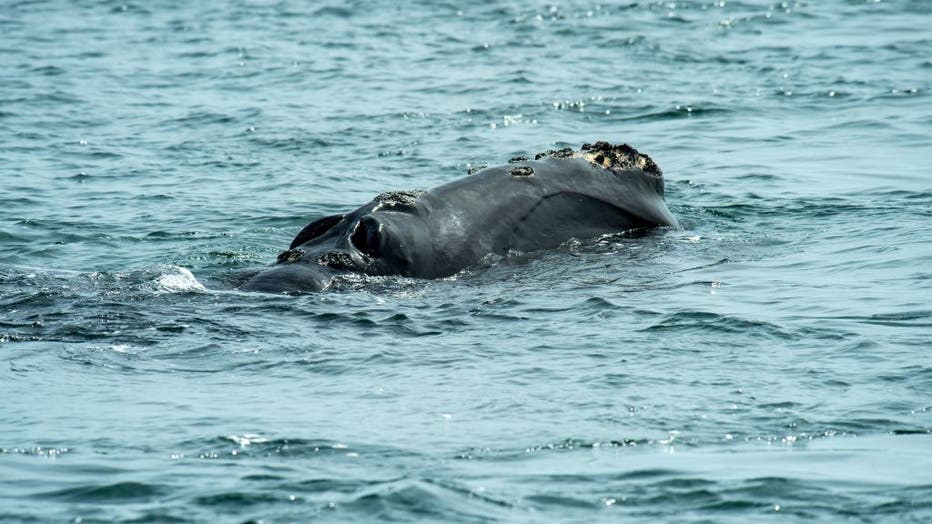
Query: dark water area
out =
(766, 362)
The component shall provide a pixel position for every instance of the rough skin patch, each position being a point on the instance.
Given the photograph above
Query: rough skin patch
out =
(556, 153)
(522, 171)
(292, 255)
(617, 158)
(336, 260)
(392, 199)
(476, 168)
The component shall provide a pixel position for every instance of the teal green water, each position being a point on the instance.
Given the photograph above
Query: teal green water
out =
(767, 362)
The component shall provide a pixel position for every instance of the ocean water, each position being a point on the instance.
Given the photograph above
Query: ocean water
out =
(767, 362)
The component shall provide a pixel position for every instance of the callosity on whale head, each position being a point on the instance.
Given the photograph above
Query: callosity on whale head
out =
(525, 205)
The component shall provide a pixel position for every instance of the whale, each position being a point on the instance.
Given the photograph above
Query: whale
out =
(525, 205)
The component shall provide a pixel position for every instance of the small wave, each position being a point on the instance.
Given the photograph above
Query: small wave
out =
(36, 451)
(237, 499)
(48, 70)
(335, 12)
(680, 111)
(920, 318)
(565, 445)
(438, 501)
(254, 445)
(291, 144)
(701, 321)
(119, 492)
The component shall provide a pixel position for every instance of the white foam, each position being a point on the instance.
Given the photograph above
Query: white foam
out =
(177, 279)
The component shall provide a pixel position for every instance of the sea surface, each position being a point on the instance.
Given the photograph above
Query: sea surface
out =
(769, 361)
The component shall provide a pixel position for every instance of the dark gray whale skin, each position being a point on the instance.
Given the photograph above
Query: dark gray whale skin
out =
(526, 205)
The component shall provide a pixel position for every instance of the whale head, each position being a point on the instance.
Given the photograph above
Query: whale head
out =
(387, 236)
